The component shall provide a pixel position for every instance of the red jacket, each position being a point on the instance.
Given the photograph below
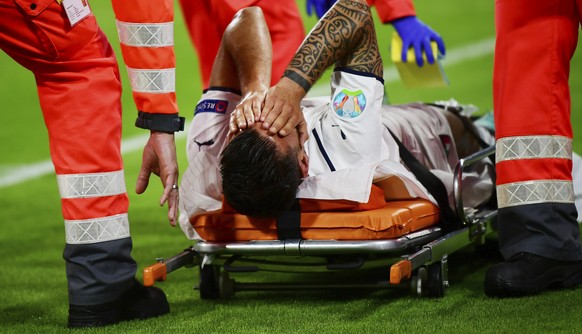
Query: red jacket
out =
(147, 43)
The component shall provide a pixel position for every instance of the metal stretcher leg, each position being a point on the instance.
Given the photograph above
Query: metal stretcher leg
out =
(158, 272)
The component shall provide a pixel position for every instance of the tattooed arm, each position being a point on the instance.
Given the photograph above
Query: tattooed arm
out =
(346, 37)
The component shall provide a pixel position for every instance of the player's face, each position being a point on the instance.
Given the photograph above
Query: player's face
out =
(289, 142)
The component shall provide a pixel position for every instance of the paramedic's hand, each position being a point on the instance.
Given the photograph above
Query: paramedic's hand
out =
(320, 6)
(282, 111)
(159, 157)
(247, 112)
(414, 33)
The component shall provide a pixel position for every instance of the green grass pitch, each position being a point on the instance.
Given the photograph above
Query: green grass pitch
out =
(33, 293)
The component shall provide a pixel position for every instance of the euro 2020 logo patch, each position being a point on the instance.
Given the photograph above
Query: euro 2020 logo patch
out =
(349, 104)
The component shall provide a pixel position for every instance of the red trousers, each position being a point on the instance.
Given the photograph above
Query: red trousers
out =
(78, 85)
(536, 40)
(207, 19)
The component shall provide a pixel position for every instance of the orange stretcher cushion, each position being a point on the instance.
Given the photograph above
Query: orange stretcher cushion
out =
(375, 201)
(391, 220)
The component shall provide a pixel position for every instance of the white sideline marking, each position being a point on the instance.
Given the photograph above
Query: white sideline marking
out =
(15, 174)
(11, 175)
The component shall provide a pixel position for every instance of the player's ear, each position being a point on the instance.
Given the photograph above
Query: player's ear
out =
(303, 160)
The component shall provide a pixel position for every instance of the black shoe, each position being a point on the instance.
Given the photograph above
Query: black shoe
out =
(528, 274)
(142, 302)
(139, 302)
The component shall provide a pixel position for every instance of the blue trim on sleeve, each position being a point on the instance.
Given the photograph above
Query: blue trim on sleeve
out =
(223, 89)
(364, 74)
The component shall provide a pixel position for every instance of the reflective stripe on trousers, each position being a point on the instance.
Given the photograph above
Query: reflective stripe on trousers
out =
(534, 44)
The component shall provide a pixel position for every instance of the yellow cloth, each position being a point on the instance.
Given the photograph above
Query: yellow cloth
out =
(413, 76)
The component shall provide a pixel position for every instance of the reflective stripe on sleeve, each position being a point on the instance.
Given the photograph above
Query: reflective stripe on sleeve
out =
(152, 81)
(146, 35)
(533, 147)
(91, 185)
(533, 192)
(89, 231)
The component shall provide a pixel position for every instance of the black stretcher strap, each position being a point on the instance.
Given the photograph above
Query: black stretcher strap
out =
(289, 223)
(433, 184)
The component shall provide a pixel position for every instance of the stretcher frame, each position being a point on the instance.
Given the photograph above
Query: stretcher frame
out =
(417, 260)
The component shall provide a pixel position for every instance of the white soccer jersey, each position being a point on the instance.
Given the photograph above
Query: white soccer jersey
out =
(349, 145)
(346, 132)
(201, 185)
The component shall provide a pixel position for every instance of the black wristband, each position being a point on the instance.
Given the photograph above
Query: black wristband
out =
(168, 123)
(298, 79)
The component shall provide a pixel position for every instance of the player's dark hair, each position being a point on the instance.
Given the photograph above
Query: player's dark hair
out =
(257, 178)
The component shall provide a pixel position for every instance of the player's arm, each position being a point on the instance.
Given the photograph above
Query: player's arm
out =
(243, 63)
(344, 36)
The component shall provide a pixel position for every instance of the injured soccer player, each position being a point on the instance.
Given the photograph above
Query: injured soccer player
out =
(257, 149)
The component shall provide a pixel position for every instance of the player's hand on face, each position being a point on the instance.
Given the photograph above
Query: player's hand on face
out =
(247, 112)
(282, 113)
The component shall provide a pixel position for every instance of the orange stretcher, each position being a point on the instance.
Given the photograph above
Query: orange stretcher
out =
(403, 235)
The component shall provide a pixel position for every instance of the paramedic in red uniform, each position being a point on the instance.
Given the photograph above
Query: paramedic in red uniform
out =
(79, 88)
(207, 20)
(538, 233)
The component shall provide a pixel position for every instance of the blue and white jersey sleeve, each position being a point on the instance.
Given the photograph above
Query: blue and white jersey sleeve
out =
(209, 128)
(201, 185)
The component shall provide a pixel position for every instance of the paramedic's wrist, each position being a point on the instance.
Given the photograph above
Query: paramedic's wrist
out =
(168, 123)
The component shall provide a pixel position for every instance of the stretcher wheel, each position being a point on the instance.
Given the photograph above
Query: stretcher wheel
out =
(418, 281)
(429, 281)
(435, 285)
(226, 285)
(209, 282)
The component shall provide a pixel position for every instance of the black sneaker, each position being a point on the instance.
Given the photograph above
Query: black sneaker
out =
(528, 274)
(138, 302)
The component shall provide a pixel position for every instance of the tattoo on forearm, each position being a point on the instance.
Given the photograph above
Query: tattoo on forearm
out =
(345, 36)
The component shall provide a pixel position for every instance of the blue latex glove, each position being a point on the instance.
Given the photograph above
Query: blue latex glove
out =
(418, 35)
(321, 7)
